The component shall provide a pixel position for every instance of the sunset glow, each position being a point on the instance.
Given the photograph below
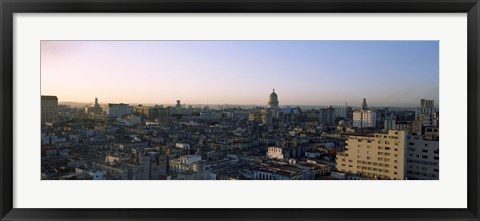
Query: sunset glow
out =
(396, 73)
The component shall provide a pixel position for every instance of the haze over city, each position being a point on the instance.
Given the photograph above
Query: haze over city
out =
(388, 73)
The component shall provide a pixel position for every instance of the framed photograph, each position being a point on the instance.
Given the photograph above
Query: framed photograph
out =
(242, 110)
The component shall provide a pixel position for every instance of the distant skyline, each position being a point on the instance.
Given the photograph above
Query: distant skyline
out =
(317, 73)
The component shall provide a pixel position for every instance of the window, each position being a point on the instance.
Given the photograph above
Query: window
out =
(425, 151)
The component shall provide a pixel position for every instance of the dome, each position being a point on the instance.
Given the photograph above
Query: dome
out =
(273, 101)
(273, 95)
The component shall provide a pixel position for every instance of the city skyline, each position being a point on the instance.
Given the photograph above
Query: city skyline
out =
(316, 73)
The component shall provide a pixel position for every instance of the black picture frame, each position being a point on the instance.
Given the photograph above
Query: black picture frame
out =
(9, 7)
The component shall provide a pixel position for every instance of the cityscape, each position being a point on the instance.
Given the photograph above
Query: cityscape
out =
(235, 137)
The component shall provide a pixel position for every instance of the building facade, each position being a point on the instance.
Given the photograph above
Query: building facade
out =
(326, 116)
(49, 109)
(118, 110)
(426, 113)
(422, 158)
(377, 156)
(364, 118)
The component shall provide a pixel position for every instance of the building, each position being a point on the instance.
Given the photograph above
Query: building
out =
(326, 116)
(150, 113)
(273, 101)
(280, 153)
(183, 146)
(426, 113)
(95, 109)
(118, 110)
(377, 156)
(427, 103)
(184, 163)
(391, 123)
(276, 153)
(49, 108)
(422, 158)
(129, 120)
(436, 119)
(341, 112)
(178, 106)
(364, 118)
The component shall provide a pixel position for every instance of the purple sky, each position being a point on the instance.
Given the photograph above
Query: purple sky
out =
(387, 73)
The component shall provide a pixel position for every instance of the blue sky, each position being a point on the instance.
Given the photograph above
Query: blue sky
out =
(387, 73)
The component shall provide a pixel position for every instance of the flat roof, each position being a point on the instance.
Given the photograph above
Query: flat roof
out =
(49, 97)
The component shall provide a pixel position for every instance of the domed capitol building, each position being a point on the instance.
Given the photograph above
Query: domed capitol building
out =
(273, 101)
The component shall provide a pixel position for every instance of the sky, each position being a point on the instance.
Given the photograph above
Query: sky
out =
(387, 73)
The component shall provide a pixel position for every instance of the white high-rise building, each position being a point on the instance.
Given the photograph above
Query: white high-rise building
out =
(364, 118)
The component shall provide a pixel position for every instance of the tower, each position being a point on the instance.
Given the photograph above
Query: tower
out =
(364, 104)
(97, 109)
